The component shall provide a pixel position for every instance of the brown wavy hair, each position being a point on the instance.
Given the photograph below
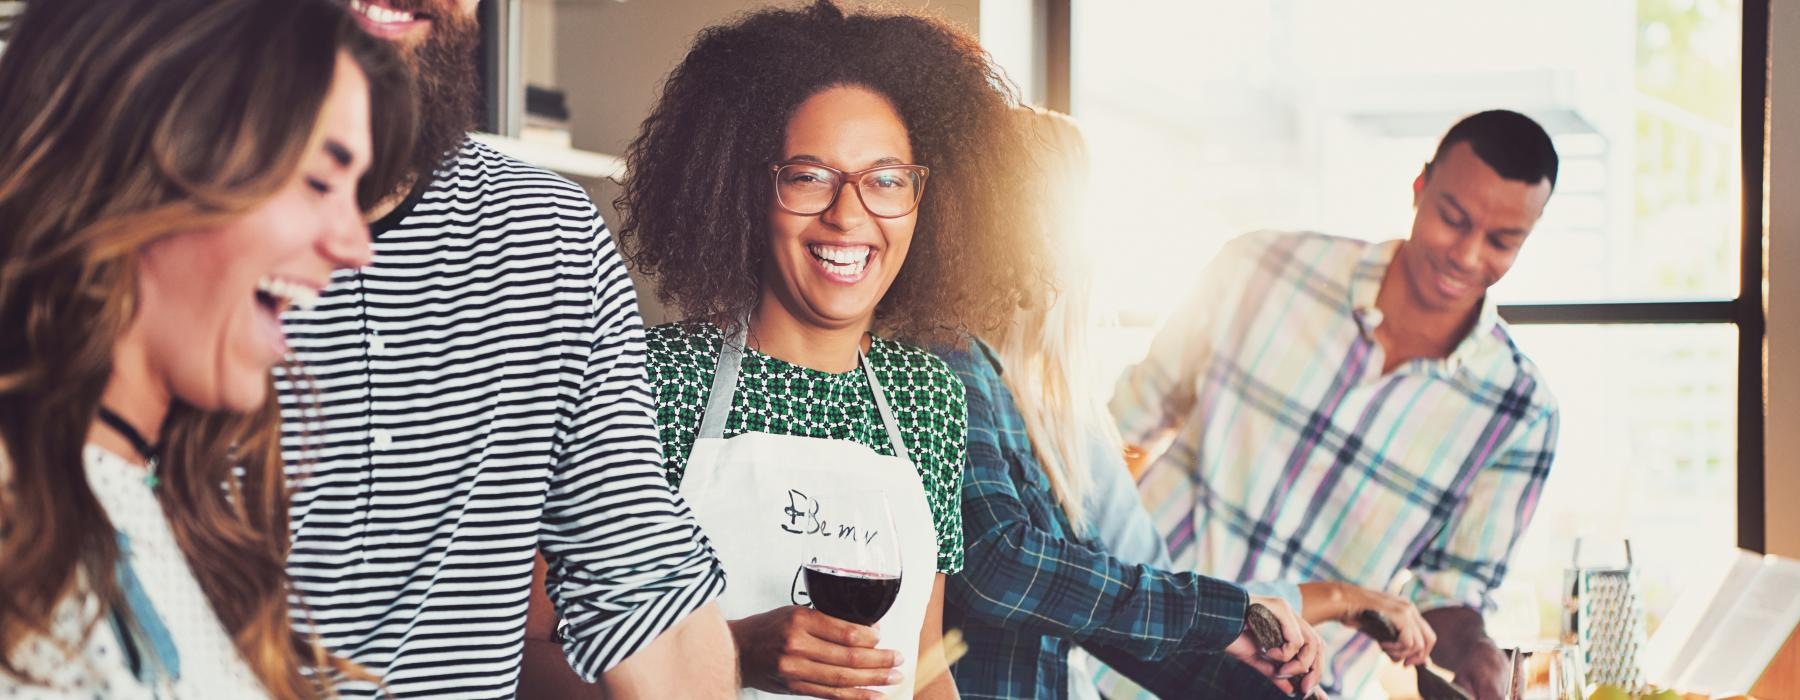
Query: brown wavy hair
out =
(694, 208)
(126, 121)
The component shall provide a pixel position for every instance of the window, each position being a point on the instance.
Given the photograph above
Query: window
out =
(1209, 119)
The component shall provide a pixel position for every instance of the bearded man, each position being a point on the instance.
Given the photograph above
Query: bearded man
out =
(473, 396)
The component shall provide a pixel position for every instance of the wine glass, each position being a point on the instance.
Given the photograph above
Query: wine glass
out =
(852, 563)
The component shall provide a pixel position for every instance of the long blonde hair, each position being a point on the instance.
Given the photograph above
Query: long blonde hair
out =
(126, 121)
(1045, 350)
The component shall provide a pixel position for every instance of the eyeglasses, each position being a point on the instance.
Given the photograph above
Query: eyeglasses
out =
(887, 191)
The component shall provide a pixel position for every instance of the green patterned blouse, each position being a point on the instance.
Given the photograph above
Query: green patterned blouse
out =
(781, 398)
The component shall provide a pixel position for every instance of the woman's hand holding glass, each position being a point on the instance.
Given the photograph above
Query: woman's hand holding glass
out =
(802, 651)
(1294, 666)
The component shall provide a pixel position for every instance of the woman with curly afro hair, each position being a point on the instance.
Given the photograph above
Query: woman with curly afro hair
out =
(818, 191)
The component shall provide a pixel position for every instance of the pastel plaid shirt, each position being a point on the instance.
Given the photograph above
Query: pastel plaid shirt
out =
(1030, 588)
(1296, 458)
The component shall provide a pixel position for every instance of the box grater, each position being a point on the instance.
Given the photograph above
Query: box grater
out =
(1603, 616)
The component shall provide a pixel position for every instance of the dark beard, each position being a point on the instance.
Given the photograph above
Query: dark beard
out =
(444, 70)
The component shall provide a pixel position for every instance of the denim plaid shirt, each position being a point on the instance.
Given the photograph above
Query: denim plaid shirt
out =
(1030, 588)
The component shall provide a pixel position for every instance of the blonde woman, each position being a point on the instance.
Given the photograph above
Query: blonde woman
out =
(1038, 581)
(173, 175)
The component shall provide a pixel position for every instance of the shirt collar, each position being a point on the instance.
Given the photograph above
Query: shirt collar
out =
(987, 352)
(1365, 286)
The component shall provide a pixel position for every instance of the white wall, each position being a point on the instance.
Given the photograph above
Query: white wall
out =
(1782, 470)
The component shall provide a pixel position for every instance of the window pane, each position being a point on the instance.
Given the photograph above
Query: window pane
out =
(1647, 451)
(1209, 119)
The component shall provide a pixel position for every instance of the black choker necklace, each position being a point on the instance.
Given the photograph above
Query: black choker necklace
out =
(144, 448)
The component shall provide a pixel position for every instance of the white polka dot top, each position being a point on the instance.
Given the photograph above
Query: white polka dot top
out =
(180, 619)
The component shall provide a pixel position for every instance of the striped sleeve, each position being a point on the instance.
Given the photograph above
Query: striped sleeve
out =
(626, 558)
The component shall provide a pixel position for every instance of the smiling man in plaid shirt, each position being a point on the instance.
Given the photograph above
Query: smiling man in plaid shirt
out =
(1329, 410)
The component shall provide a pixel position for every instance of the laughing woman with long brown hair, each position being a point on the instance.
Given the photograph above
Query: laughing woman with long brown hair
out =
(173, 174)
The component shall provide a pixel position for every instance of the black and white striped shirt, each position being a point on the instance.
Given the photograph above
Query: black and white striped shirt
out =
(481, 394)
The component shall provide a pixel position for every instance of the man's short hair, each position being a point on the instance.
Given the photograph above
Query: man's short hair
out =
(1509, 142)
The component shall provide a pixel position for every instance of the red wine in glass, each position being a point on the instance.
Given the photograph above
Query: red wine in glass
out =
(853, 567)
(850, 595)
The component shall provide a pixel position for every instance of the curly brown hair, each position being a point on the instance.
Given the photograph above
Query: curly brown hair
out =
(694, 209)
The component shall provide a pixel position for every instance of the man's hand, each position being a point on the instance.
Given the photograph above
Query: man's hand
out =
(1464, 648)
(1294, 666)
(801, 651)
(1416, 638)
(1341, 602)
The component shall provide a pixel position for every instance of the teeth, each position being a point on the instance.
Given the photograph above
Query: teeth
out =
(294, 293)
(380, 14)
(845, 260)
(841, 255)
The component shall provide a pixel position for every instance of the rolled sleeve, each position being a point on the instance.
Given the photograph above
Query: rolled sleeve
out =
(626, 558)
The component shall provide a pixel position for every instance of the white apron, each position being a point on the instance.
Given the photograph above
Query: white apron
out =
(758, 496)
